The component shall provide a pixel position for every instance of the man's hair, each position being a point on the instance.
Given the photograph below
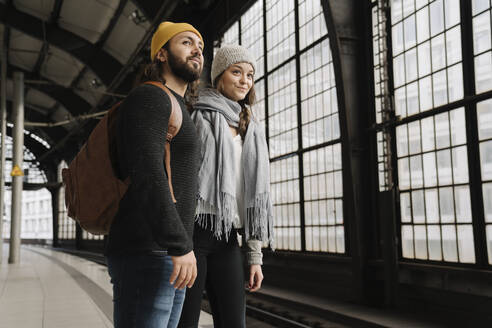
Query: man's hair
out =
(154, 71)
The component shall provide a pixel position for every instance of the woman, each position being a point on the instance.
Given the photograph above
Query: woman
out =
(233, 192)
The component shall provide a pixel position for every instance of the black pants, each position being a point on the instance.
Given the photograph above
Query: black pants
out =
(220, 273)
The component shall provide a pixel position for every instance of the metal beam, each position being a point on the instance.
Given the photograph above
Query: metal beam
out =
(33, 115)
(100, 62)
(55, 13)
(37, 186)
(104, 37)
(74, 103)
(148, 8)
(165, 11)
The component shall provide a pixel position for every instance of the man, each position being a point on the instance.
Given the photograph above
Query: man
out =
(150, 249)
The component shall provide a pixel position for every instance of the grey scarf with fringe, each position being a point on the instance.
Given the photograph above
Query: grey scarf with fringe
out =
(213, 114)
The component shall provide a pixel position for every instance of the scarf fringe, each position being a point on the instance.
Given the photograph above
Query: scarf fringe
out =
(222, 225)
(259, 220)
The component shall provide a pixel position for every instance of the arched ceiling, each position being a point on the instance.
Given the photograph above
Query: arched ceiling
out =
(79, 56)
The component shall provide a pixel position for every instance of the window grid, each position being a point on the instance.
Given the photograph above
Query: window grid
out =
(311, 23)
(284, 184)
(319, 106)
(280, 31)
(231, 36)
(259, 107)
(252, 35)
(481, 12)
(282, 104)
(484, 118)
(323, 200)
(277, 106)
(435, 195)
(382, 100)
(427, 66)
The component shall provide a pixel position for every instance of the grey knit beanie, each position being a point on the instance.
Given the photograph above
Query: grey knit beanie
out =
(228, 55)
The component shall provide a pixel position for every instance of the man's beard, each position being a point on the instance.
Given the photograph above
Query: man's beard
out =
(182, 70)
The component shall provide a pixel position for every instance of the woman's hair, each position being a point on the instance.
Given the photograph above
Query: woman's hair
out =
(154, 71)
(246, 103)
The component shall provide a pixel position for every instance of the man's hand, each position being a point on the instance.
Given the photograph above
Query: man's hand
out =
(255, 277)
(184, 270)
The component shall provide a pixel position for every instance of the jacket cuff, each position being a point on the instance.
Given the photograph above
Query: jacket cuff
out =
(254, 254)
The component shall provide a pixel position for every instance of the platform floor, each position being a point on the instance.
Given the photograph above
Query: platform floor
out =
(51, 289)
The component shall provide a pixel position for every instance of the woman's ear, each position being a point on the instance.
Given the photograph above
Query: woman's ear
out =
(161, 55)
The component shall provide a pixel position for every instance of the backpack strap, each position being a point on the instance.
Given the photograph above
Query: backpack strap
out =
(175, 121)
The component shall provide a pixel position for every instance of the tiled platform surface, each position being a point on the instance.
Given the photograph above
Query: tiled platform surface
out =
(51, 289)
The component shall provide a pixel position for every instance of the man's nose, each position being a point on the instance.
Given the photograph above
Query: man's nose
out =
(196, 50)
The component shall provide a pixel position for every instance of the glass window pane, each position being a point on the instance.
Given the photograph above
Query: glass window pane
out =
(402, 140)
(406, 214)
(466, 244)
(483, 72)
(403, 173)
(460, 165)
(438, 53)
(407, 241)
(416, 171)
(423, 24)
(411, 65)
(489, 242)
(427, 134)
(458, 127)
(446, 204)
(399, 70)
(462, 203)
(420, 242)
(432, 206)
(396, 10)
(487, 200)
(455, 82)
(423, 51)
(452, 12)
(409, 30)
(434, 242)
(486, 159)
(425, 87)
(418, 206)
(414, 137)
(430, 170)
(397, 38)
(444, 167)
(439, 88)
(442, 130)
(481, 32)
(484, 119)
(453, 45)
(479, 5)
(437, 14)
(450, 250)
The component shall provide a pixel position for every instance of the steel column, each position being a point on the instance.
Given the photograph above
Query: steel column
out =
(18, 154)
(3, 131)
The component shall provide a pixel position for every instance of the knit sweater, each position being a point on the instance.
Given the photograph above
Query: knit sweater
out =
(147, 218)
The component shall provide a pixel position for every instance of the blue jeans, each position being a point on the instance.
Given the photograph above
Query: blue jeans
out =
(142, 294)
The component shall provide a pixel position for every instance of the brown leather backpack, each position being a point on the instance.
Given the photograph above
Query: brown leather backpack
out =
(92, 190)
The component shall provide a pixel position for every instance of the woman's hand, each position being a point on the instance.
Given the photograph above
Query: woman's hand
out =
(255, 277)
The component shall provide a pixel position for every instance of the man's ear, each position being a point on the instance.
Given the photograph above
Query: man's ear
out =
(161, 55)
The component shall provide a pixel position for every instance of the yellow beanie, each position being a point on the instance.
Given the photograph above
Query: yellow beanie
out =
(165, 32)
